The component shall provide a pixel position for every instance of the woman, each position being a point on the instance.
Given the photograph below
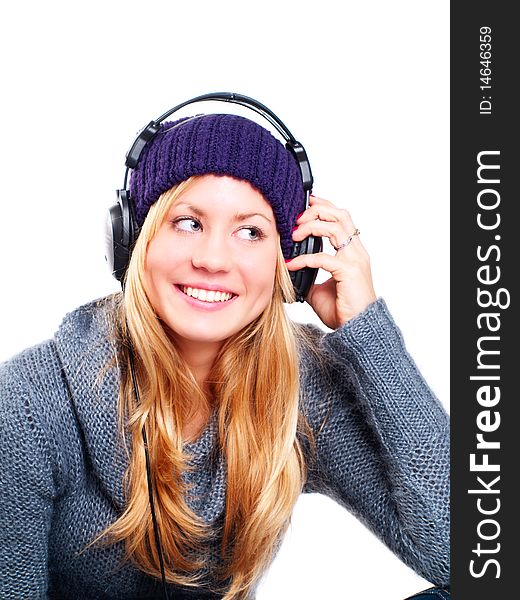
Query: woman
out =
(240, 409)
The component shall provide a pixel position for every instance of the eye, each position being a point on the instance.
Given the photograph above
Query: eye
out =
(251, 234)
(187, 224)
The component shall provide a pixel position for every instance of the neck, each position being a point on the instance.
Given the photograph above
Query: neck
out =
(200, 357)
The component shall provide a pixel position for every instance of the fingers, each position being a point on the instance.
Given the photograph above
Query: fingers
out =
(318, 260)
(333, 230)
(324, 219)
(333, 264)
(324, 210)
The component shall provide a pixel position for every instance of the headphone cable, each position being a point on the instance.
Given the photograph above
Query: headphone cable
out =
(149, 480)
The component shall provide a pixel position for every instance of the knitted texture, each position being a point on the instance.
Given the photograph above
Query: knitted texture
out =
(224, 145)
(382, 453)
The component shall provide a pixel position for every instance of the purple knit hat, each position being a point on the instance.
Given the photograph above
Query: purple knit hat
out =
(222, 144)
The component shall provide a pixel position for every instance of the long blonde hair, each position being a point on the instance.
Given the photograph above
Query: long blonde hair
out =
(254, 385)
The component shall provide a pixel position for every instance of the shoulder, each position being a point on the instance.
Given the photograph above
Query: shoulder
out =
(40, 368)
(330, 360)
(372, 330)
(33, 390)
(90, 321)
(29, 383)
(27, 373)
(39, 404)
(316, 343)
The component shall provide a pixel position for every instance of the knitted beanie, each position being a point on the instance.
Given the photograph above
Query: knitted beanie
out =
(221, 144)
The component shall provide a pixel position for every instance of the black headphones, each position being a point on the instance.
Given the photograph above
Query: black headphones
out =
(122, 229)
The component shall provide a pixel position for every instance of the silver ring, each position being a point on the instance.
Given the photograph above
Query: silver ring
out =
(347, 241)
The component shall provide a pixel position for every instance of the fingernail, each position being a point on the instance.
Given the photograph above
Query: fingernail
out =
(294, 228)
(288, 260)
(299, 216)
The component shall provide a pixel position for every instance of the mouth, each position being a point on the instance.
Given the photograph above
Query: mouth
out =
(204, 295)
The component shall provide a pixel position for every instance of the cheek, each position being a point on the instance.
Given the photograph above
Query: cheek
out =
(159, 259)
(151, 264)
(155, 273)
(153, 258)
(260, 274)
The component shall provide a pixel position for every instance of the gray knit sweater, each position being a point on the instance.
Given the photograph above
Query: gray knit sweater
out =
(383, 453)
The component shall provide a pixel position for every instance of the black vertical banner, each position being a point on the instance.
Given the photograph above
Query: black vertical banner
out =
(485, 338)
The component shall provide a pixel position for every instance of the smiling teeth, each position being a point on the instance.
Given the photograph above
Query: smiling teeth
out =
(207, 295)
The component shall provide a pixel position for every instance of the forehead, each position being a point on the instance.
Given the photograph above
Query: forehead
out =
(221, 195)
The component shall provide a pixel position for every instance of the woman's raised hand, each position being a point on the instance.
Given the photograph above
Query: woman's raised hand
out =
(350, 289)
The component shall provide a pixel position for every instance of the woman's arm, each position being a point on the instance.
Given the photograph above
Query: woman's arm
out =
(27, 490)
(383, 451)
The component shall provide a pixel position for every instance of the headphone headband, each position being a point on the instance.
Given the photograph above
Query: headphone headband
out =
(150, 130)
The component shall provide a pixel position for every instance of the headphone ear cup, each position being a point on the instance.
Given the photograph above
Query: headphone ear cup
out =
(121, 234)
(304, 279)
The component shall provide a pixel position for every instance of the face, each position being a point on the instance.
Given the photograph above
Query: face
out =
(210, 268)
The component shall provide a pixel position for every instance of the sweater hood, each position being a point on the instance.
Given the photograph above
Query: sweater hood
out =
(87, 351)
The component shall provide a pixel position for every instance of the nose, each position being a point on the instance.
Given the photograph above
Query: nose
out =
(213, 253)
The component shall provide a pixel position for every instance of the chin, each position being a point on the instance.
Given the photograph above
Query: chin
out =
(202, 336)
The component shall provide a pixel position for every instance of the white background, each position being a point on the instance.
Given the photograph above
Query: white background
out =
(364, 86)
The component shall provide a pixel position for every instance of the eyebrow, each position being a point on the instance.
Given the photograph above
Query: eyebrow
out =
(236, 216)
